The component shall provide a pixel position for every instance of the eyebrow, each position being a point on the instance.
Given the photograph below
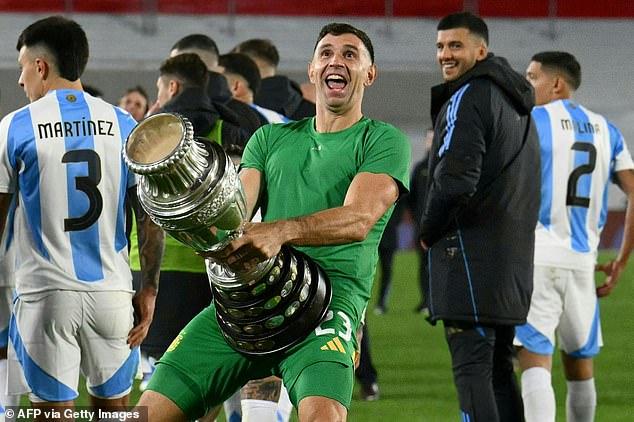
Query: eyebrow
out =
(350, 46)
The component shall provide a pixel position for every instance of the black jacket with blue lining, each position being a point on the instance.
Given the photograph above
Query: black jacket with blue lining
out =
(483, 197)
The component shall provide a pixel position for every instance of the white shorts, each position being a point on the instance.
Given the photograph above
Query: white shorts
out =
(564, 302)
(6, 303)
(56, 334)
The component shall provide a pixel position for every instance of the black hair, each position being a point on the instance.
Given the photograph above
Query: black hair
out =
(188, 68)
(140, 90)
(562, 62)
(198, 41)
(63, 39)
(473, 23)
(337, 28)
(258, 48)
(242, 65)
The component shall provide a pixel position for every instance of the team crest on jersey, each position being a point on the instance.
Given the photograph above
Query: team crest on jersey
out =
(71, 98)
(175, 343)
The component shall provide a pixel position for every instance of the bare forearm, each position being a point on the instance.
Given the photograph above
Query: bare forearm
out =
(335, 226)
(151, 246)
(628, 233)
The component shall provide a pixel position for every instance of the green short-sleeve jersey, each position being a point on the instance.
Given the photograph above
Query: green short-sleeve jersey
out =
(306, 171)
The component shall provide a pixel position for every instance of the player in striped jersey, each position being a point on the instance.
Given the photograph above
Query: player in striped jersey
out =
(581, 152)
(60, 161)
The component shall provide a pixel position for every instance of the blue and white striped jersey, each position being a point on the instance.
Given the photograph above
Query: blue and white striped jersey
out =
(580, 152)
(62, 154)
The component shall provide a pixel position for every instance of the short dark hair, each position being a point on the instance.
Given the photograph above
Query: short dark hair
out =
(242, 65)
(337, 28)
(188, 68)
(465, 20)
(562, 62)
(199, 41)
(260, 49)
(64, 39)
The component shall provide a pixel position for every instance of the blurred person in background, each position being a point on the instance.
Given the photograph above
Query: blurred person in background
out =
(277, 92)
(136, 102)
(244, 82)
(230, 109)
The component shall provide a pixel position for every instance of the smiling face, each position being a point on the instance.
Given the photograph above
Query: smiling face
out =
(341, 68)
(457, 51)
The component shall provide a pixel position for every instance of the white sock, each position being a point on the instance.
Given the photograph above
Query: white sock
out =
(581, 401)
(258, 410)
(284, 406)
(6, 400)
(538, 395)
(233, 409)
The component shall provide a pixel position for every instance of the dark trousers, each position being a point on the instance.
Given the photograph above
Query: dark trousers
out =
(386, 260)
(365, 373)
(482, 364)
(423, 276)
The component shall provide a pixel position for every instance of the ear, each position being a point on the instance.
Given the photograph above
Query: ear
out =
(238, 87)
(483, 51)
(173, 88)
(559, 85)
(42, 68)
(371, 75)
(310, 72)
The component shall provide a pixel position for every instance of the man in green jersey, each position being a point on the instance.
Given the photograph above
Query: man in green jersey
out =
(326, 186)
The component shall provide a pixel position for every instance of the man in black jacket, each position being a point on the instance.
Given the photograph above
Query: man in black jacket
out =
(480, 215)
(230, 109)
(277, 92)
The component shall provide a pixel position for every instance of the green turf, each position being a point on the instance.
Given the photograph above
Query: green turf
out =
(413, 362)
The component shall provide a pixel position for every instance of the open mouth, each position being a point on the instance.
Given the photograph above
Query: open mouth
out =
(337, 82)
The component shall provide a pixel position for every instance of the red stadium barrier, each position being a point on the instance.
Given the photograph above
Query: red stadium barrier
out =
(377, 8)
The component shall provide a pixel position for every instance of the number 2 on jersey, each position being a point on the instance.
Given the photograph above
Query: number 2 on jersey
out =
(88, 185)
(572, 197)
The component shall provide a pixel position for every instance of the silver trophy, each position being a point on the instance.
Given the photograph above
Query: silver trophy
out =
(190, 187)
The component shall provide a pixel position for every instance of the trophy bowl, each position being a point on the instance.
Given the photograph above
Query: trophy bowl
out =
(190, 187)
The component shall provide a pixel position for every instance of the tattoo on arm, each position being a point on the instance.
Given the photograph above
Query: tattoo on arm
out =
(151, 242)
(264, 389)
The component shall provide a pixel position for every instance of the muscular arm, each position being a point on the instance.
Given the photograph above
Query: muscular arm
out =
(614, 268)
(367, 199)
(151, 245)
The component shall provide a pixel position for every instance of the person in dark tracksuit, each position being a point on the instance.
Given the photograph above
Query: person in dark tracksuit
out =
(481, 209)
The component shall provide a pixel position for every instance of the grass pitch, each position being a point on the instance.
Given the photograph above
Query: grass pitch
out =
(414, 368)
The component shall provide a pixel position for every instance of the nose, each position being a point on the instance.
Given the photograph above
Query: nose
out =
(336, 60)
(444, 53)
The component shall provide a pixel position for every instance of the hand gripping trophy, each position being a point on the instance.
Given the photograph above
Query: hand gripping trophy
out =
(190, 187)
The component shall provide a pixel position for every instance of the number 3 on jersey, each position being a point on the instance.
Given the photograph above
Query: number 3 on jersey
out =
(88, 185)
(572, 196)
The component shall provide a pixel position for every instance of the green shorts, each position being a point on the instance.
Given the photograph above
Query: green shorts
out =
(200, 370)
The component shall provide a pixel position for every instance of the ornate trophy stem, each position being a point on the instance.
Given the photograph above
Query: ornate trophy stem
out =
(190, 187)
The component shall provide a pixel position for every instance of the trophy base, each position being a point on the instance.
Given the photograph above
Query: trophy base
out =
(278, 309)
